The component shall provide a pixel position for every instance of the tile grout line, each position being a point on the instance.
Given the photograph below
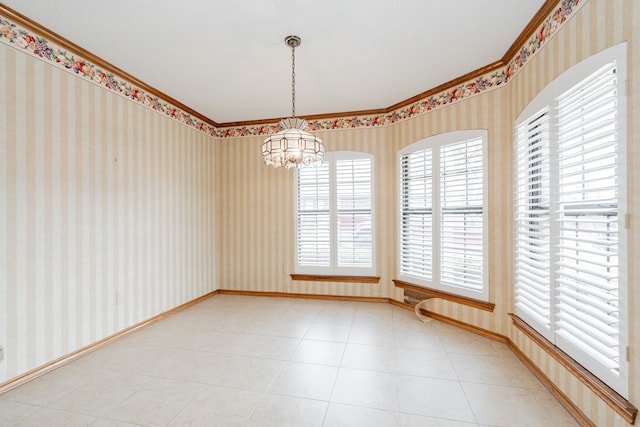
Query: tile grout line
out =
(335, 380)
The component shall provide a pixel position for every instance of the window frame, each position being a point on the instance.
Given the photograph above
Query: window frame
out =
(436, 143)
(548, 98)
(333, 269)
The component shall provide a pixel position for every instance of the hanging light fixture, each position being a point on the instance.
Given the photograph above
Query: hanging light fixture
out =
(292, 146)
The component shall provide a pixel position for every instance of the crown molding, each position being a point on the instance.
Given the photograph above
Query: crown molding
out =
(23, 34)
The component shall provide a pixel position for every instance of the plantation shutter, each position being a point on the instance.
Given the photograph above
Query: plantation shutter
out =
(416, 253)
(313, 216)
(461, 217)
(532, 203)
(587, 268)
(353, 200)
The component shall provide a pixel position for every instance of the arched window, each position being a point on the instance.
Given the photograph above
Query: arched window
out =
(570, 277)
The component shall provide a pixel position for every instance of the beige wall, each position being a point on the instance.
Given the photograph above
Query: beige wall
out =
(98, 196)
(258, 218)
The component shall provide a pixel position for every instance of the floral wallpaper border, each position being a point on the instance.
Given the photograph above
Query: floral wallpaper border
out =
(22, 39)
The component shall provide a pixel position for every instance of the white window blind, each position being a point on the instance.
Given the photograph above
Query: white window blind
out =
(442, 213)
(334, 215)
(313, 233)
(587, 268)
(417, 212)
(532, 201)
(461, 217)
(570, 182)
(353, 192)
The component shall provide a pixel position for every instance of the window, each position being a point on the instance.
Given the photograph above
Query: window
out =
(334, 212)
(569, 200)
(442, 213)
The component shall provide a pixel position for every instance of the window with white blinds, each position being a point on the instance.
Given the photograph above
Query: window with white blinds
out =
(416, 229)
(570, 281)
(461, 214)
(334, 216)
(532, 201)
(442, 213)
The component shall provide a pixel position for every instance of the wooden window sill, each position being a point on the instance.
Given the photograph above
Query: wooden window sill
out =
(329, 278)
(432, 293)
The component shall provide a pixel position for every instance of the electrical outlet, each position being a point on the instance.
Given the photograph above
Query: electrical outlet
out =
(1, 353)
(118, 299)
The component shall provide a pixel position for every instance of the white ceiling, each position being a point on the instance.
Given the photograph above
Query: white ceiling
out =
(228, 61)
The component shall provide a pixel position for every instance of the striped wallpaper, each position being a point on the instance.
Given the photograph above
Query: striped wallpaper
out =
(113, 213)
(257, 221)
(107, 213)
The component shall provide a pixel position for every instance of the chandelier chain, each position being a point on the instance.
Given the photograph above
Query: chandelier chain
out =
(293, 81)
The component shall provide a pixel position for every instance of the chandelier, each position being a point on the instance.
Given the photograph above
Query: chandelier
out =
(292, 146)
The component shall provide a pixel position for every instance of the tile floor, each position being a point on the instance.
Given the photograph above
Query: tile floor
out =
(254, 361)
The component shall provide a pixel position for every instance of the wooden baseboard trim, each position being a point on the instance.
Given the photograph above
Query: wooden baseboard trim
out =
(462, 325)
(68, 358)
(301, 295)
(614, 400)
(433, 293)
(553, 389)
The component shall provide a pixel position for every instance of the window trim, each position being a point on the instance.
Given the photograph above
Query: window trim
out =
(547, 98)
(333, 270)
(436, 142)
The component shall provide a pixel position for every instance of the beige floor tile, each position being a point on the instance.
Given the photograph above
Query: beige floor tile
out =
(342, 313)
(247, 373)
(370, 357)
(218, 406)
(328, 332)
(305, 380)
(156, 403)
(101, 393)
(423, 363)
(197, 366)
(48, 388)
(371, 389)
(418, 337)
(319, 352)
(434, 398)
(275, 327)
(54, 417)
(487, 370)
(407, 420)
(11, 413)
(372, 332)
(374, 311)
(105, 422)
(515, 407)
(287, 411)
(253, 345)
(145, 359)
(356, 416)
